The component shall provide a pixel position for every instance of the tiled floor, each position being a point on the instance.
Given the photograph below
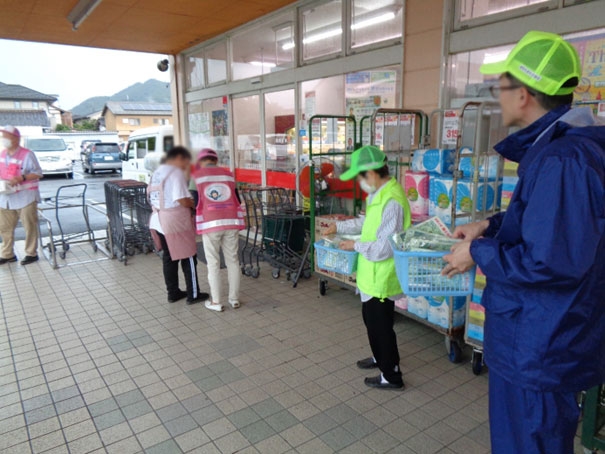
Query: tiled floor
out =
(93, 359)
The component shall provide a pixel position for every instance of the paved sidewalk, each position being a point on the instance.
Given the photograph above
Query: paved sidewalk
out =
(93, 359)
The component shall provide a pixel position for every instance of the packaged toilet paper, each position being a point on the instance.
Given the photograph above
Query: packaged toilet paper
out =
(487, 165)
(418, 306)
(438, 311)
(434, 160)
(441, 197)
(417, 192)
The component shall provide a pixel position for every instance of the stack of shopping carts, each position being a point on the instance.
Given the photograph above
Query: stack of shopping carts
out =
(277, 233)
(128, 213)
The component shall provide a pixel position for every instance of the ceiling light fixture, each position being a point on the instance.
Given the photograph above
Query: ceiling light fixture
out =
(373, 21)
(260, 63)
(81, 11)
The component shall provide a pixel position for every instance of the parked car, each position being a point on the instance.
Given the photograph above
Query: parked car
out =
(52, 153)
(101, 156)
(145, 150)
(87, 142)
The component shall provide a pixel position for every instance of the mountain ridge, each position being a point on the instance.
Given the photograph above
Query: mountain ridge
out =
(152, 90)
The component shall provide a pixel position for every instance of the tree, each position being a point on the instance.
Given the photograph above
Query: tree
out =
(62, 128)
(86, 125)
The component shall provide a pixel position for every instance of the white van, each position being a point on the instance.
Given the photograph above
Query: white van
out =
(144, 151)
(53, 154)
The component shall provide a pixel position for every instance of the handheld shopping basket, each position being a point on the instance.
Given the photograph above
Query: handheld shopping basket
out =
(337, 260)
(419, 274)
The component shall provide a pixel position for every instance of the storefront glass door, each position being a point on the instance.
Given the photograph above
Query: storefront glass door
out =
(280, 138)
(247, 139)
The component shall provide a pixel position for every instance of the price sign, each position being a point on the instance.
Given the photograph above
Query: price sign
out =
(450, 127)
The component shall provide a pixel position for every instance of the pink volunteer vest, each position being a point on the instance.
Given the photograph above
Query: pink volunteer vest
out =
(218, 208)
(12, 166)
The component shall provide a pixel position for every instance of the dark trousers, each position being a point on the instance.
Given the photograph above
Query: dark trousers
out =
(524, 421)
(379, 318)
(171, 273)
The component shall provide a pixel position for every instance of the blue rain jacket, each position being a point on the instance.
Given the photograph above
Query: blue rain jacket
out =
(544, 258)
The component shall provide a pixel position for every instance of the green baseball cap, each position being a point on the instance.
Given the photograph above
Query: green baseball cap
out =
(365, 158)
(542, 61)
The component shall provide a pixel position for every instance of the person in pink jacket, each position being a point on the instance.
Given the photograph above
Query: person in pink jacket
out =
(219, 218)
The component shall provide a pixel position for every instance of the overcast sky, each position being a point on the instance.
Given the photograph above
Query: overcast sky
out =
(75, 73)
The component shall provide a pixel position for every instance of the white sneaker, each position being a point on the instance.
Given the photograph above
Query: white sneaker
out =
(214, 306)
(234, 304)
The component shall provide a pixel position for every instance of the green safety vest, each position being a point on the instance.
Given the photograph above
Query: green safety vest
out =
(379, 279)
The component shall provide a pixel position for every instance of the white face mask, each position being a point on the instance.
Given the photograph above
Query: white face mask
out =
(366, 187)
(6, 143)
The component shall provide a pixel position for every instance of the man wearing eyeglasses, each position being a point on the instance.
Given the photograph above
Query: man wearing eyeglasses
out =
(545, 257)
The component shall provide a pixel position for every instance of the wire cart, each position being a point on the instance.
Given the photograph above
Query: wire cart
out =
(593, 422)
(128, 218)
(68, 197)
(276, 233)
(335, 197)
(476, 195)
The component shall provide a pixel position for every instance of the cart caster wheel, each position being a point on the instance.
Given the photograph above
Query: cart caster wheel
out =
(62, 254)
(243, 271)
(455, 353)
(289, 276)
(477, 363)
(95, 248)
(307, 274)
(66, 247)
(255, 273)
(145, 249)
(275, 274)
(248, 271)
(323, 287)
(131, 251)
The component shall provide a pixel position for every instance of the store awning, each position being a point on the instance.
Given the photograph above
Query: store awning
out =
(161, 26)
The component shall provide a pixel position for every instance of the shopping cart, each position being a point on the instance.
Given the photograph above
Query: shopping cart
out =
(277, 233)
(128, 214)
(593, 422)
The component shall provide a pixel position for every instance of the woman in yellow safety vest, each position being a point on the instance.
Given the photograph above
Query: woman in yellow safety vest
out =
(387, 212)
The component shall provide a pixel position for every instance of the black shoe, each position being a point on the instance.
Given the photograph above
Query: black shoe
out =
(11, 260)
(367, 363)
(201, 297)
(29, 259)
(178, 297)
(376, 382)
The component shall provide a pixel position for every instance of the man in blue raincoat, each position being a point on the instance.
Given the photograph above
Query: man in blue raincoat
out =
(544, 258)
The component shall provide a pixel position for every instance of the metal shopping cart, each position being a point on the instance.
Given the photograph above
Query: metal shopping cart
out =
(593, 422)
(128, 218)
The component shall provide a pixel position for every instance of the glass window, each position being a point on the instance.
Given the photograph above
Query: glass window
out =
(216, 59)
(151, 144)
(35, 105)
(322, 30)
(134, 121)
(132, 150)
(141, 148)
(248, 145)
(209, 127)
(280, 131)
(465, 79)
(373, 21)
(168, 143)
(194, 68)
(265, 49)
(472, 9)
(17, 104)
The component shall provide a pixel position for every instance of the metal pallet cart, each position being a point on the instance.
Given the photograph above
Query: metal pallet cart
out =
(339, 197)
(128, 213)
(593, 422)
(476, 192)
(71, 197)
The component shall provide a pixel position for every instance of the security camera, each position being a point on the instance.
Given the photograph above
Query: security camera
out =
(163, 65)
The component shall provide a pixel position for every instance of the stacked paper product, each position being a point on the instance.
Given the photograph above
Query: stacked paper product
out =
(438, 311)
(487, 166)
(419, 306)
(435, 160)
(476, 315)
(441, 195)
(417, 191)
(402, 303)
(509, 182)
